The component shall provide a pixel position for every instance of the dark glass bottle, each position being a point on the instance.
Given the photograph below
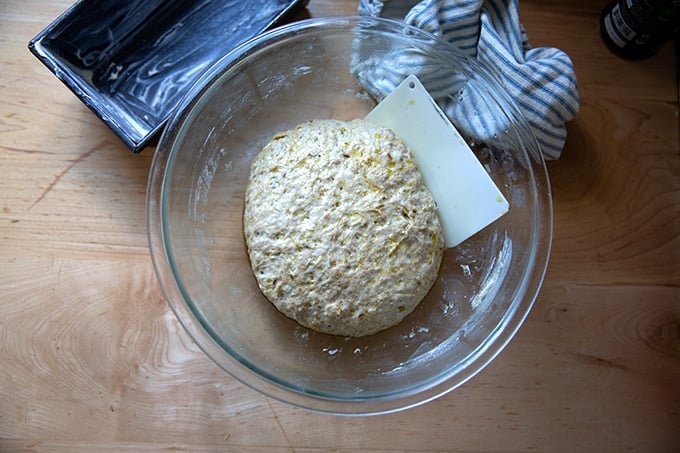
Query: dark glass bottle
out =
(636, 29)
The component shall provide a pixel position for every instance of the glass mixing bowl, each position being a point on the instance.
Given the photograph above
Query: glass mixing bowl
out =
(314, 69)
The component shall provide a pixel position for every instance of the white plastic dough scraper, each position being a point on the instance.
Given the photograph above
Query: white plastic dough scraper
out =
(467, 198)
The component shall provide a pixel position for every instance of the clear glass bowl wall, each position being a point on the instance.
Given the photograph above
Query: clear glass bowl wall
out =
(294, 74)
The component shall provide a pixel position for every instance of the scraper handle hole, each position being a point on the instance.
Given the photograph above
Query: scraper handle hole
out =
(412, 85)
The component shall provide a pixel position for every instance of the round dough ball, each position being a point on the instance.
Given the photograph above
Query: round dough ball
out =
(342, 233)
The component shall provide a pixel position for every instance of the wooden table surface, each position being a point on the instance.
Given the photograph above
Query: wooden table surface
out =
(91, 358)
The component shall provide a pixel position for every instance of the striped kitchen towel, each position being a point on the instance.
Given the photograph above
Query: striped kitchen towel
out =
(541, 80)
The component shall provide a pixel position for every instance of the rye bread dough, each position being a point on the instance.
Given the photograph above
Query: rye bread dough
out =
(343, 235)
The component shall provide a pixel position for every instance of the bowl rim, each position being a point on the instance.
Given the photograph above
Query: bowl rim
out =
(433, 388)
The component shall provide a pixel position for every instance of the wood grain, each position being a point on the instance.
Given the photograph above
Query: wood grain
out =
(92, 359)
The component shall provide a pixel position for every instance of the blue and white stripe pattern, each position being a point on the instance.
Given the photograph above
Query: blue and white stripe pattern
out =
(541, 80)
